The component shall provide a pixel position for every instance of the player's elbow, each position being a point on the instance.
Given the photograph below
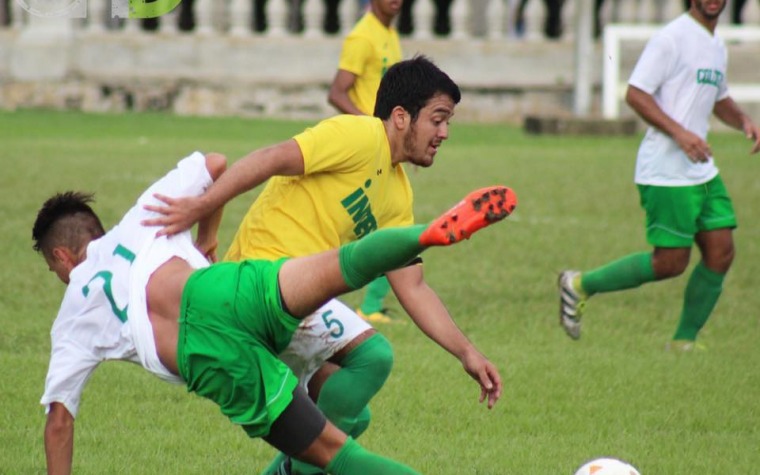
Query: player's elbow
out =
(633, 97)
(629, 96)
(216, 164)
(332, 98)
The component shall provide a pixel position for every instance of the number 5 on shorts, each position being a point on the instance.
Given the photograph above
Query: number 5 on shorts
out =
(337, 331)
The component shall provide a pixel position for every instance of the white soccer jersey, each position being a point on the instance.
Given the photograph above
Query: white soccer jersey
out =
(684, 68)
(103, 315)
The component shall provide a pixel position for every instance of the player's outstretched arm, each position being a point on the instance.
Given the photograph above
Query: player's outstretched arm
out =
(59, 440)
(180, 214)
(730, 113)
(431, 316)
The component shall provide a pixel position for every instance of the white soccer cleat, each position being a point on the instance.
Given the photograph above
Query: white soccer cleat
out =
(571, 304)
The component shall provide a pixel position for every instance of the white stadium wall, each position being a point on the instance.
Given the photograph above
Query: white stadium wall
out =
(224, 67)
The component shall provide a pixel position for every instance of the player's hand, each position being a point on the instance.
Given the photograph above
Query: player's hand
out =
(178, 214)
(693, 146)
(486, 374)
(753, 133)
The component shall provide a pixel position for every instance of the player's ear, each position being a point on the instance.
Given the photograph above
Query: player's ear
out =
(65, 256)
(400, 117)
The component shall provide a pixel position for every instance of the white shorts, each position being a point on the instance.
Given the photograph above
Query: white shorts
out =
(320, 336)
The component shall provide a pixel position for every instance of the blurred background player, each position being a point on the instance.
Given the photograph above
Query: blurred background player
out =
(334, 183)
(368, 51)
(552, 21)
(678, 83)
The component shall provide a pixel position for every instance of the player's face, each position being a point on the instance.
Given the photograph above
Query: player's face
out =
(387, 8)
(710, 9)
(59, 267)
(428, 132)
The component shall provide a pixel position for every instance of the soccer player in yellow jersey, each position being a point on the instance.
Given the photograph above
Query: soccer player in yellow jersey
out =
(334, 183)
(368, 51)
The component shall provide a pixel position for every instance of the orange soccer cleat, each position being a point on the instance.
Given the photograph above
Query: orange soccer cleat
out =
(477, 210)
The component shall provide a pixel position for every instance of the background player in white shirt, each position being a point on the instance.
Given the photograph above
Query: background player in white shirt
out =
(677, 84)
(156, 301)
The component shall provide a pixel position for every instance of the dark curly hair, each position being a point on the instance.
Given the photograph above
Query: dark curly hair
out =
(66, 219)
(411, 84)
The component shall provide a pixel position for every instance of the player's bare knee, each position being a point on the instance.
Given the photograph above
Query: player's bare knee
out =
(670, 262)
(721, 260)
(670, 270)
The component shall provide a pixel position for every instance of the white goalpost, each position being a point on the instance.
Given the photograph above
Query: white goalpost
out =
(614, 34)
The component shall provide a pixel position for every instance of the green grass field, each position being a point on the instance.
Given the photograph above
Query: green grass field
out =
(616, 392)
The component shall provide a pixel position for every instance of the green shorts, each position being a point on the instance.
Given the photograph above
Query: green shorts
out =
(231, 328)
(674, 214)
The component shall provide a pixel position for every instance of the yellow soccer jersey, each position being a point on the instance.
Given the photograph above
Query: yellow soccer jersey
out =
(368, 51)
(349, 188)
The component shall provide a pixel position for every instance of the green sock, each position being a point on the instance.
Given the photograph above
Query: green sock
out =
(625, 273)
(344, 396)
(364, 260)
(376, 292)
(353, 458)
(701, 295)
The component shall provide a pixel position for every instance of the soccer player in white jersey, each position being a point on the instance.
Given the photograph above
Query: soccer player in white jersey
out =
(678, 83)
(157, 302)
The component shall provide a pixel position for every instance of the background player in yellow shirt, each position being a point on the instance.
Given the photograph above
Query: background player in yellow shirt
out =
(368, 51)
(332, 184)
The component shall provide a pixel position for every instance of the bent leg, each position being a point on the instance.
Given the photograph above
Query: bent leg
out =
(717, 248)
(344, 396)
(671, 224)
(308, 282)
(363, 372)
